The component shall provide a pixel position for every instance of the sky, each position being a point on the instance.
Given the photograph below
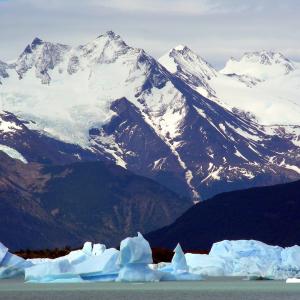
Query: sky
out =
(215, 29)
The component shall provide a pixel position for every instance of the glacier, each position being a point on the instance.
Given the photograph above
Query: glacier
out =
(133, 263)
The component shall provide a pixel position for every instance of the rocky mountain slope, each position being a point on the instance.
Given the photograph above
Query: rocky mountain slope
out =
(268, 214)
(111, 102)
(47, 206)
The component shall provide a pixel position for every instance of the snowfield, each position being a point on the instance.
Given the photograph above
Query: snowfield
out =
(265, 83)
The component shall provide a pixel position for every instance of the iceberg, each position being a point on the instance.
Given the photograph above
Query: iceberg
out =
(101, 267)
(207, 265)
(92, 262)
(133, 263)
(179, 261)
(178, 269)
(52, 271)
(135, 257)
(249, 258)
(11, 265)
(293, 280)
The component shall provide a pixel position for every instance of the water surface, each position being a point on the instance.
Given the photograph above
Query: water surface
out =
(210, 289)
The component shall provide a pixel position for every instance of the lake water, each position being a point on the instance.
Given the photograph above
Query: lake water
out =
(220, 288)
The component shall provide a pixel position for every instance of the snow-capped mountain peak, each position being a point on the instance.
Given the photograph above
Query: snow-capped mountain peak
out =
(41, 56)
(105, 48)
(183, 57)
(191, 67)
(262, 65)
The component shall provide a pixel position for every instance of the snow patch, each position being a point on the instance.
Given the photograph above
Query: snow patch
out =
(13, 153)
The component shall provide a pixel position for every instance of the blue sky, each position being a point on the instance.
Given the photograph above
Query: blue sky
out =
(216, 29)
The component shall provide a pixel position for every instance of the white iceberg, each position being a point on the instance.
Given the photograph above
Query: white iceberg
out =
(249, 258)
(102, 267)
(89, 263)
(11, 265)
(133, 262)
(207, 265)
(293, 280)
(52, 271)
(135, 257)
(178, 269)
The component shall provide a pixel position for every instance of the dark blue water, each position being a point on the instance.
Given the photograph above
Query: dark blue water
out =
(225, 289)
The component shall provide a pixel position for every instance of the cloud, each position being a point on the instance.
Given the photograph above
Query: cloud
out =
(216, 29)
(189, 7)
(168, 7)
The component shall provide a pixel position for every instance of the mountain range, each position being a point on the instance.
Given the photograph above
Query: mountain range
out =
(176, 120)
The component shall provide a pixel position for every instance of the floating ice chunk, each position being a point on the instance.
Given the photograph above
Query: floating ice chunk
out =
(13, 265)
(135, 250)
(179, 262)
(245, 248)
(76, 266)
(135, 255)
(54, 271)
(207, 265)
(178, 269)
(293, 280)
(249, 258)
(103, 267)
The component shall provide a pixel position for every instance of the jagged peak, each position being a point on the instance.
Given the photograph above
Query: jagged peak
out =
(109, 34)
(36, 41)
(188, 53)
(33, 45)
(187, 59)
(110, 38)
(180, 47)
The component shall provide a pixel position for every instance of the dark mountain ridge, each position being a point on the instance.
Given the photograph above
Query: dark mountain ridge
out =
(268, 214)
(47, 206)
